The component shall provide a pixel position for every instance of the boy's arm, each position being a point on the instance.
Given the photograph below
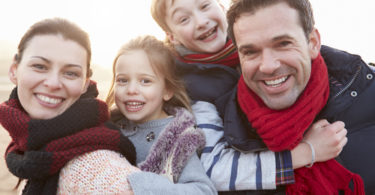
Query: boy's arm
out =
(230, 169)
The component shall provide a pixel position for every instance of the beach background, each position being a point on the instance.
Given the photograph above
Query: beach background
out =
(343, 24)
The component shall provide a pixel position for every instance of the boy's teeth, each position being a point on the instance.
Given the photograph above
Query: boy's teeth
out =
(207, 34)
(49, 100)
(276, 81)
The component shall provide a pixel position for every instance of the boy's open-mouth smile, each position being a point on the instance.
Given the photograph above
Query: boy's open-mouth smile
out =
(208, 34)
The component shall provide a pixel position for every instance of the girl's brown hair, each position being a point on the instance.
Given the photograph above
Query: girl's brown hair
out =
(162, 62)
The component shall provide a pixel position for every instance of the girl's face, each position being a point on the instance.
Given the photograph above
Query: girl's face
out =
(139, 92)
(199, 25)
(51, 75)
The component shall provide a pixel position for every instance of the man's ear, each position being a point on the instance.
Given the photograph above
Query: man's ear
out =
(172, 38)
(13, 72)
(314, 43)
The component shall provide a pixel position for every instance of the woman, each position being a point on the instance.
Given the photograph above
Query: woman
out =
(52, 114)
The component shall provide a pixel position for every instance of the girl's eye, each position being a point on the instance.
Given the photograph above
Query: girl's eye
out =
(145, 81)
(121, 81)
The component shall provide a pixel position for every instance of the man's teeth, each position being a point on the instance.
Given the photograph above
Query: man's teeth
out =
(276, 81)
(49, 100)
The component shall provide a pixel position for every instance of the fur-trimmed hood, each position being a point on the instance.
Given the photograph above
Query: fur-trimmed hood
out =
(174, 146)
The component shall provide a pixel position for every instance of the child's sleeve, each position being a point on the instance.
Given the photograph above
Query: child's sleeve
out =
(97, 172)
(232, 170)
(192, 180)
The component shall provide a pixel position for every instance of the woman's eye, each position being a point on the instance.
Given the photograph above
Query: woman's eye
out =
(39, 67)
(72, 74)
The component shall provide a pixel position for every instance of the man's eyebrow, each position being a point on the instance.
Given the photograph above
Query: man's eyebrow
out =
(282, 37)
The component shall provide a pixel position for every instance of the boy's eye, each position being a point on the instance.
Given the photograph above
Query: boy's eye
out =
(183, 20)
(204, 6)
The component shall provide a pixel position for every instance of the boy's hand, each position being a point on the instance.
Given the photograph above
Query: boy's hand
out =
(327, 139)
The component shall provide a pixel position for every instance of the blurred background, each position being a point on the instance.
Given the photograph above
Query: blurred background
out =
(344, 24)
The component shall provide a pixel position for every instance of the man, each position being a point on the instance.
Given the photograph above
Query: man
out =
(287, 84)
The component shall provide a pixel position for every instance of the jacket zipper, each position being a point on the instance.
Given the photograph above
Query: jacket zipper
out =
(349, 84)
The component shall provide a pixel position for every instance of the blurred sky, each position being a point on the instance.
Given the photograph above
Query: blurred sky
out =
(344, 24)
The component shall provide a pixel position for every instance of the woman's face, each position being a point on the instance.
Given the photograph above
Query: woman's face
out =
(51, 75)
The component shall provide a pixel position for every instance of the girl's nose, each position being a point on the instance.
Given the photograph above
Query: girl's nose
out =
(132, 88)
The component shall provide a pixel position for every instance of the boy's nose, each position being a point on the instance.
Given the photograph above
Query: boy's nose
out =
(201, 21)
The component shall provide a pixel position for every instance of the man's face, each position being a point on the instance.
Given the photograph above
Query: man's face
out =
(275, 54)
(199, 25)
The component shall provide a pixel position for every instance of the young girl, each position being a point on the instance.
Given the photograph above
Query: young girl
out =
(53, 115)
(152, 109)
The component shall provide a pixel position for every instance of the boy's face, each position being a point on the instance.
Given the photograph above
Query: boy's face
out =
(199, 25)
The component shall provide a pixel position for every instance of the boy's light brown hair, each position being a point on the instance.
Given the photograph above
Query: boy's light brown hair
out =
(159, 13)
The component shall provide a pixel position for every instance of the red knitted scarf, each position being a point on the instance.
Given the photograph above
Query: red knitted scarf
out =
(227, 56)
(283, 130)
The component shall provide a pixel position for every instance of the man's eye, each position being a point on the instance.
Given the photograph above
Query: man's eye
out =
(284, 43)
(248, 52)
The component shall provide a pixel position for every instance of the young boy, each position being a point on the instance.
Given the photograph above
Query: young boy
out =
(197, 30)
(207, 60)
